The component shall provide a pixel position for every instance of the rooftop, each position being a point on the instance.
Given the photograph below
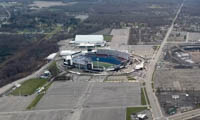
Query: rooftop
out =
(89, 38)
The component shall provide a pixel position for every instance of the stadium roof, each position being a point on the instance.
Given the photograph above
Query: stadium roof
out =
(91, 39)
(68, 57)
(86, 45)
(51, 56)
(67, 52)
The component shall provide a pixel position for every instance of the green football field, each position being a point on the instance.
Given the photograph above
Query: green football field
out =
(102, 64)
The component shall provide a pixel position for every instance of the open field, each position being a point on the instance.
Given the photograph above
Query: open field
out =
(102, 64)
(178, 36)
(29, 87)
(184, 37)
(146, 35)
(194, 37)
(179, 79)
(105, 31)
(38, 97)
(44, 4)
(35, 101)
(176, 84)
(195, 56)
(53, 69)
(176, 75)
(131, 110)
(146, 51)
(120, 39)
(143, 100)
(108, 38)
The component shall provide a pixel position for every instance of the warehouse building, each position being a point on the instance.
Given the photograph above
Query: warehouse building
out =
(89, 40)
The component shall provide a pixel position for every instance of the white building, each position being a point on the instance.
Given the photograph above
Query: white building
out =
(51, 56)
(139, 66)
(89, 40)
(68, 52)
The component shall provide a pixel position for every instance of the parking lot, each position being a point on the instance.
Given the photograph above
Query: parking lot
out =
(177, 87)
(62, 95)
(181, 100)
(99, 100)
(120, 39)
(104, 114)
(194, 37)
(66, 94)
(146, 51)
(40, 115)
(114, 94)
(14, 103)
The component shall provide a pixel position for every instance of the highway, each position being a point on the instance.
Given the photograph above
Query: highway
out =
(155, 107)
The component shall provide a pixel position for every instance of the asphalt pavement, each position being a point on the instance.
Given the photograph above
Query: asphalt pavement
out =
(155, 107)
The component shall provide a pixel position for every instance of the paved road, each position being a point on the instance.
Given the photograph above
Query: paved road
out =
(156, 110)
(185, 115)
(181, 42)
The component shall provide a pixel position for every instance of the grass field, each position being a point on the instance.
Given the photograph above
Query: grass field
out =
(38, 97)
(29, 87)
(102, 64)
(131, 110)
(143, 100)
(35, 101)
(130, 78)
(147, 97)
(108, 38)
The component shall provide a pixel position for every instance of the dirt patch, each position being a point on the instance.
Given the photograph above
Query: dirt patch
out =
(195, 56)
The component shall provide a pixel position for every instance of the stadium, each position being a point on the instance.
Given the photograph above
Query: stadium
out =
(186, 55)
(98, 60)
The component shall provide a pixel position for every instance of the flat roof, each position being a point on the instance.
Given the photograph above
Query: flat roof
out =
(89, 39)
(86, 45)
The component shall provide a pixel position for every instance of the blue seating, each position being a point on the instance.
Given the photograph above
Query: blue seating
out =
(107, 59)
